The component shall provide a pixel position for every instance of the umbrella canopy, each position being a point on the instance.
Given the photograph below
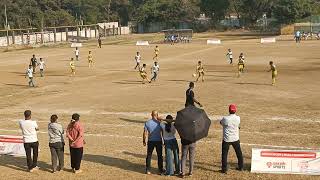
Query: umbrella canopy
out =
(192, 123)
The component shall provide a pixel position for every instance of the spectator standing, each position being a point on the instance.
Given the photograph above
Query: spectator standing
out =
(152, 130)
(75, 134)
(171, 146)
(56, 143)
(29, 130)
(188, 147)
(231, 126)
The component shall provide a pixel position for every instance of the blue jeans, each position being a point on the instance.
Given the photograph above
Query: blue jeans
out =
(172, 148)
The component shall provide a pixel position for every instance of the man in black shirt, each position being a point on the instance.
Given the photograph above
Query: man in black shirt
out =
(190, 100)
(33, 63)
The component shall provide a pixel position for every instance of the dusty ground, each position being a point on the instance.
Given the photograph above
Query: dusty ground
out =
(113, 103)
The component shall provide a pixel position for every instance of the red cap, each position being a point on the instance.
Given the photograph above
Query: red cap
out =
(232, 108)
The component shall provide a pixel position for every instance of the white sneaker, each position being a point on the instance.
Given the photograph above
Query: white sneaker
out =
(78, 171)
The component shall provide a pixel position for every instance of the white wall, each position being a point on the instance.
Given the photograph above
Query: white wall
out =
(48, 37)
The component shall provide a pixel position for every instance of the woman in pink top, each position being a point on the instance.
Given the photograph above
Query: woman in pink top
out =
(75, 133)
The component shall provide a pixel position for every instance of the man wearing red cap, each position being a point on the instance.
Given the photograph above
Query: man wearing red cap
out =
(231, 126)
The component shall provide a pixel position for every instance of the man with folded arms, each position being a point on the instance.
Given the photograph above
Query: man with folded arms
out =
(29, 130)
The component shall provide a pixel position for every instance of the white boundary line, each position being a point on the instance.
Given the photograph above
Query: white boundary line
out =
(219, 130)
(201, 141)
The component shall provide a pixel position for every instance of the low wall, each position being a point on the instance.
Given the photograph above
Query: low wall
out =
(51, 37)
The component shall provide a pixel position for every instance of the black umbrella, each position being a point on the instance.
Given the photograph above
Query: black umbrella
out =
(192, 123)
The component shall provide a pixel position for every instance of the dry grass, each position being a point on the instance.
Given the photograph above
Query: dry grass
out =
(285, 115)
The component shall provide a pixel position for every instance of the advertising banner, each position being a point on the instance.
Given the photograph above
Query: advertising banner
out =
(285, 161)
(11, 145)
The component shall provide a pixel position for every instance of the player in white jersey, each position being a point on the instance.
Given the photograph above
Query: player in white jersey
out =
(155, 71)
(138, 60)
(29, 73)
(41, 65)
(77, 53)
(230, 56)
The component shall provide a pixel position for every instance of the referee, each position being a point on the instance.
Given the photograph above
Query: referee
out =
(190, 100)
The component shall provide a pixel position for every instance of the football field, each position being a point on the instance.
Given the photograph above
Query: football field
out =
(114, 104)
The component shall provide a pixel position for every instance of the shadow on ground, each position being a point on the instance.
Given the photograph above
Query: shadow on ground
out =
(127, 82)
(117, 163)
(20, 163)
(132, 120)
(259, 84)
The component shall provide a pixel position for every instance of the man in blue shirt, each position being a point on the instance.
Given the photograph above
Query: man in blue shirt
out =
(152, 130)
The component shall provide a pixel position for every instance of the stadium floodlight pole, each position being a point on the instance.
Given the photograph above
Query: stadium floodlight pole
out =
(7, 27)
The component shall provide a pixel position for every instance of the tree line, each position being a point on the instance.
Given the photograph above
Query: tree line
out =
(46, 13)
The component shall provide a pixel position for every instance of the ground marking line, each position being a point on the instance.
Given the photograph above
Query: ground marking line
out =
(219, 130)
(201, 141)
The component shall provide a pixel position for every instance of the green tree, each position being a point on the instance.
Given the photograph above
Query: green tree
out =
(216, 9)
(288, 11)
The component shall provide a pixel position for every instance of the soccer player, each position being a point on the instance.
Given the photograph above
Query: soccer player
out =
(274, 71)
(29, 73)
(156, 53)
(155, 71)
(172, 39)
(143, 73)
(230, 56)
(200, 71)
(77, 53)
(33, 63)
(138, 60)
(41, 65)
(72, 67)
(298, 36)
(240, 64)
(90, 60)
(99, 42)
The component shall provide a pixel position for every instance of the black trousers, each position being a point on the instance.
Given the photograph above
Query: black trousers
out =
(76, 157)
(150, 147)
(31, 162)
(225, 150)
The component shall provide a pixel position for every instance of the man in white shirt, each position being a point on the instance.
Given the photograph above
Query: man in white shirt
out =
(77, 52)
(155, 71)
(29, 73)
(29, 130)
(230, 56)
(138, 60)
(231, 126)
(41, 66)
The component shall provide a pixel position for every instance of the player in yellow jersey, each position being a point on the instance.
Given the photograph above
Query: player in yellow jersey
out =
(240, 64)
(200, 71)
(156, 53)
(72, 67)
(143, 73)
(274, 71)
(90, 59)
